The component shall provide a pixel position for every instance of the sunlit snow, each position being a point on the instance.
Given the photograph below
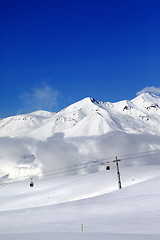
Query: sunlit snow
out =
(66, 153)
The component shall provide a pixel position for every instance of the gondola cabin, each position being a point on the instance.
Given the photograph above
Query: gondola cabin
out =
(108, 168)
(31, 183)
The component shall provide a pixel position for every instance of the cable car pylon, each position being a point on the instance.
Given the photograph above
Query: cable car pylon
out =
(118, 173)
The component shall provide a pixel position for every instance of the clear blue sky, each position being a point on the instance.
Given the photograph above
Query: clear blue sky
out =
(54, 53)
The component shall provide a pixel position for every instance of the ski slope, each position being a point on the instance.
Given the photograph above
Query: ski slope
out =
(55, 208)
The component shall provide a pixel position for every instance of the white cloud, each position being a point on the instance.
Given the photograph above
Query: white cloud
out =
(57, 153)
(20, 157)
(41, 98)
(15, 159)
(154, 90)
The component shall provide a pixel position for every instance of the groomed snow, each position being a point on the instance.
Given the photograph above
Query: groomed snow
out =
(55, 208)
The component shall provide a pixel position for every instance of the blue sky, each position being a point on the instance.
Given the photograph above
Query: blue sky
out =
(54, 53)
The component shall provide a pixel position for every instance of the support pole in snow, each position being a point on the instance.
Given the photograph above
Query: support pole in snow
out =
(118, 173)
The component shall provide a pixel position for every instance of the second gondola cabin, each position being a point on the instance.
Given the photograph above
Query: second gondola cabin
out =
(31, 183)
(108, 168)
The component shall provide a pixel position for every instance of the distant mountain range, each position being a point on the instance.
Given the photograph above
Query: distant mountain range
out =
(84, 131)
(88, 117)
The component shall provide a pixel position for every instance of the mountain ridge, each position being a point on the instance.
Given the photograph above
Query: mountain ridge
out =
(88, 117)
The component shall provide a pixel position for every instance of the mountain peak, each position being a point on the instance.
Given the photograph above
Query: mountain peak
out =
(146, 97)
(94, 101)
(127, 116)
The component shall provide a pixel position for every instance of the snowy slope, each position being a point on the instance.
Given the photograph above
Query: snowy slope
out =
(56, 206)
(89, 117)
(86, 133)
(51, 191)
(22, 124)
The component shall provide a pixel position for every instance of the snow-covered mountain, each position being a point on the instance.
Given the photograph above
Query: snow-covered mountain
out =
(77, 140)
(88, 117)
(84, 131)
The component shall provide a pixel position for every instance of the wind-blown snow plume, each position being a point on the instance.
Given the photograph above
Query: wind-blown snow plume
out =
(154, 90)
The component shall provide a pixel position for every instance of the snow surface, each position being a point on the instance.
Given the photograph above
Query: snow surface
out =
(140, 115)
(88, 133)
(55, 208)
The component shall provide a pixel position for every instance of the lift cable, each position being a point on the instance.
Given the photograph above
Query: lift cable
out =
(90, 164)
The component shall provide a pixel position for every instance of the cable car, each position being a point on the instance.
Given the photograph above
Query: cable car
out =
(108, 168)
(31, 183)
